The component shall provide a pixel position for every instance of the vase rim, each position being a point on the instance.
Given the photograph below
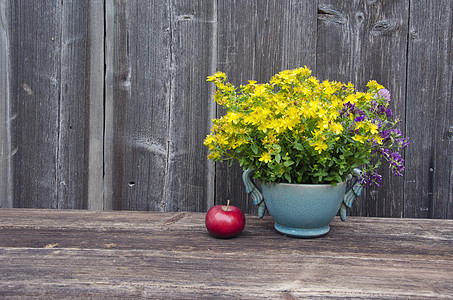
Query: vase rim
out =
(306, 184)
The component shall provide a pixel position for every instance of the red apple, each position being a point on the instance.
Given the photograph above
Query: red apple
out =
(225, 221)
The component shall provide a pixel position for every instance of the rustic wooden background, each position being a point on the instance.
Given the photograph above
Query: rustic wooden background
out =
(104, 104)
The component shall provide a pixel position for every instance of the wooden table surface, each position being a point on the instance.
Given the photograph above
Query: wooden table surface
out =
(123, 254)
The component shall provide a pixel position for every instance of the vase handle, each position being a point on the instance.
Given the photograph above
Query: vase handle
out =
(351, 194)
(252, 189)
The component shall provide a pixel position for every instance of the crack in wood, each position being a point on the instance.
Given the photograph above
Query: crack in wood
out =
(329, 14)
(175, 219)
(384, 27)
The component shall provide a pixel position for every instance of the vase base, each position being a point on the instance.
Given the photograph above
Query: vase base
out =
(302, 233)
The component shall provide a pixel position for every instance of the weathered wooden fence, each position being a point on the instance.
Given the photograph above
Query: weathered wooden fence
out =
(104, 104)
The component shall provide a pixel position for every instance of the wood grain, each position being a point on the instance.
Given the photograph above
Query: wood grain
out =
(48, 109)
(429, 102)
(73, 104)
(48, 253)
(35, 36)
(6, 199)
(137, 106)
(158, 104)
(189, 176)
(95, 185)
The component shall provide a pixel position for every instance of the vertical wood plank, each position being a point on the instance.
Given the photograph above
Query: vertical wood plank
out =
(95, 124)
(5, 137)
(357, 42)
(189, 185)
(237, 45)
(257, 39)
(74, 104)
(111, 38)
(35, 36)
(299, 34)
(429, 111)
(137, 103)
(50, 103)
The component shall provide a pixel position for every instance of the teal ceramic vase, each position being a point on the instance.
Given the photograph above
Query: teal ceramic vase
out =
(302, 210)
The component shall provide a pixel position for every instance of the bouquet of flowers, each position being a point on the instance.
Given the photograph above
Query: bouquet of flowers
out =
(296, 129)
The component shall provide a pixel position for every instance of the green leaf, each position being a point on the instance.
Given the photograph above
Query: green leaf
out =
(254, 148)
(288, 163)
(298, 146)
(288, 177)
(278, 158)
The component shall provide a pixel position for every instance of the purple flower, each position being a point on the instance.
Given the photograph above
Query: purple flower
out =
(367, 178)
(373, 105)
(359, 119)
(381, 109)
(395, 156)
(385, 134)
(396, 132)
(344, 113)
(385, 93)
(388, 112)
(349, 105)
(384, 151)
(396, 163)
(404, 142)
(348, 108)
(378, 122)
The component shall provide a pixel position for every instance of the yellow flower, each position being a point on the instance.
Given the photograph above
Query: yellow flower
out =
(349, 86)
(292, 112)
(318, 145)
(233, 117)
(359, 125)
(328, 88)
(265, 157)
(222, 140)
(313, 81)
(214, 155)
(372, 84)
(218, 74)
(276, 124)
(351, 98)
(373, 128)
(378, 139)
(359, 138)
(238, 143)
(208, 140)
(336, 127)
(291, 122)
(323, 124)
(260, 90)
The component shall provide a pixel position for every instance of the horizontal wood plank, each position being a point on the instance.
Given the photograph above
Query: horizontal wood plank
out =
(48, 253)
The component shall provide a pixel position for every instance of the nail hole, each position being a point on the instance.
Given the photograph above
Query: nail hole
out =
(359, 16)
(132, 183)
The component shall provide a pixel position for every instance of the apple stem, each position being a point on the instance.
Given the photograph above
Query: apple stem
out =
(228, 205)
